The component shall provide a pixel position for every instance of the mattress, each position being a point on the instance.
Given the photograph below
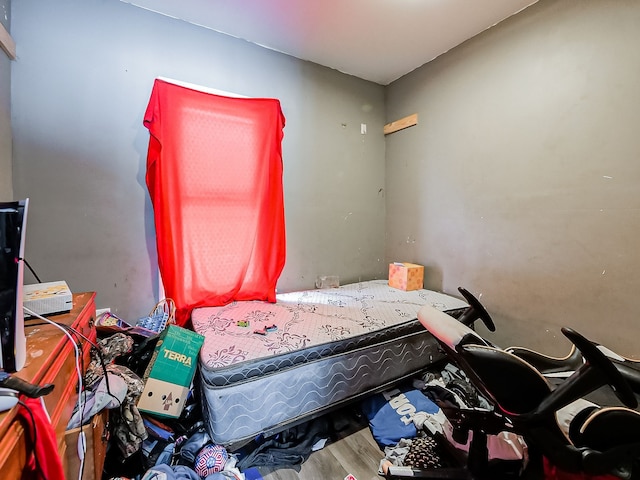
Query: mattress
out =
(265, 366)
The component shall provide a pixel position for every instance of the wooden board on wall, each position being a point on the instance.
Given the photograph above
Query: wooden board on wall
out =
(7, 43)
(405, 122)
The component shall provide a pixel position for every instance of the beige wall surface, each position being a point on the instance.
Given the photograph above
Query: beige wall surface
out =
(521, 180)
(81, 84)
(6, 185)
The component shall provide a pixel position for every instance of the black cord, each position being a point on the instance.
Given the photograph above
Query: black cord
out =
(77, 332)
(96, 347)
(100, 358)
(31, 269)
(35, 437)
(106, 378)
(98, 350)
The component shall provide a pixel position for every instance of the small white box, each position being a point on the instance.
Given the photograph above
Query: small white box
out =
(47, 298)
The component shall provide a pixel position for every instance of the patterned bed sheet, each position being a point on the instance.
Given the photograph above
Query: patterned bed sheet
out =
(306, 319)
(315, 348)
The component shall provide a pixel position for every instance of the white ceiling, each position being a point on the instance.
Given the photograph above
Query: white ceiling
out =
(377, 40)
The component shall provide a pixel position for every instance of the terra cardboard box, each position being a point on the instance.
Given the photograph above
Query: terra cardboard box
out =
(170, 372)
(406, 276)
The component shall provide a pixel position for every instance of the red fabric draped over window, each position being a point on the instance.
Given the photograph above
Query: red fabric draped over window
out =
(214, 174)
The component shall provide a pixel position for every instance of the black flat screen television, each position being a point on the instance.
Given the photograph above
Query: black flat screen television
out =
(13, 344)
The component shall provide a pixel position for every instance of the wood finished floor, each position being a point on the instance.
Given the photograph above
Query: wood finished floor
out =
(355, 452)
(352, 451)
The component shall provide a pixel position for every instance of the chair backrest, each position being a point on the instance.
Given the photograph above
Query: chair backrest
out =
(513, 385)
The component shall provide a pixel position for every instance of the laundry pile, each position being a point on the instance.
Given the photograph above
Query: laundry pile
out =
(142, 445)
(145, 446)
(413, 431)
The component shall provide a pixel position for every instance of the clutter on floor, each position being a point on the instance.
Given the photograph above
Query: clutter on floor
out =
(413, 431)
(150, 443)
(407, 421)
(145, 445)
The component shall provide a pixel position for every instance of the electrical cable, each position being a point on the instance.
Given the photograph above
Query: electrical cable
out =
(82, 440)
(81, 444)
(77, 332)
(99, 353)
(100, 357)
(31, 270)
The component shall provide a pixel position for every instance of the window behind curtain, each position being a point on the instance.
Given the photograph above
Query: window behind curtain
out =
(214, 174)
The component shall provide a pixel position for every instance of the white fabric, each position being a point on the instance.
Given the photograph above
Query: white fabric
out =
(566, 414)
(98, 399)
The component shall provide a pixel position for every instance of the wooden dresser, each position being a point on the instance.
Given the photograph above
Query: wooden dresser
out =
(50, 359)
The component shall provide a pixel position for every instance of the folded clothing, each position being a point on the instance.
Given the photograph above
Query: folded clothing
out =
(390, 414)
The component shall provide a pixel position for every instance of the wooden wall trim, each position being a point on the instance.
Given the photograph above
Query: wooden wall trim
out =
(7, 43)
(405, 122)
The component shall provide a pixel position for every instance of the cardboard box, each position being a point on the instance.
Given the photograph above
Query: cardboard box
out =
(170, 372)
(406, 276)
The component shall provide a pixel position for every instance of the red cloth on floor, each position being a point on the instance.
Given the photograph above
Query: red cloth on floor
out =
(214, 174)
(551, 472)
(44, 462)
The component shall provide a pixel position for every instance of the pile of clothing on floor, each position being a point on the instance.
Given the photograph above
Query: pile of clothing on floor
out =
(195, 456)
(413, 431)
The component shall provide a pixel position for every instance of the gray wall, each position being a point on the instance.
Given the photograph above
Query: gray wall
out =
(82, 80)
(520, 181)
(6, 185)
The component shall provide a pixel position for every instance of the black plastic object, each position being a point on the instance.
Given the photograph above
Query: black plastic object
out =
(556, 366)
(22, 386)
(476, 311)
(596, 361)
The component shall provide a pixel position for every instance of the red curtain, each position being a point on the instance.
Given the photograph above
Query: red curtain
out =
(214, 174)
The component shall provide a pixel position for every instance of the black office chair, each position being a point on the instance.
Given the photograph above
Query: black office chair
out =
(598, 441)
(563, 367)
(549, 366)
